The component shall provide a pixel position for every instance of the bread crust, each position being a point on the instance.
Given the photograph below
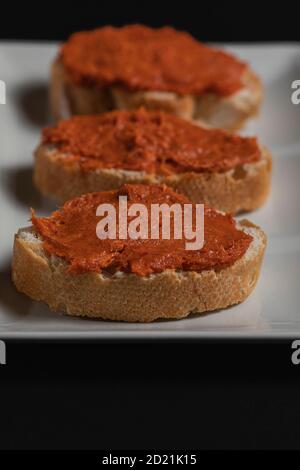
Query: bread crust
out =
(242, 189)
(132, 298)
(229, 112)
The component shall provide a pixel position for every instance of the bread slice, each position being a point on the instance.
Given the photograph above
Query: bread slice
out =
(229, 112)
(129, 297)
(243, 188)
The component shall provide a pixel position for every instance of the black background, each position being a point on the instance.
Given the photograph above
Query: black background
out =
(153, 395)
(207, 20)
(150, 396)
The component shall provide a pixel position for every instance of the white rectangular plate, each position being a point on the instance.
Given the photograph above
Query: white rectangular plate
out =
(273, 310)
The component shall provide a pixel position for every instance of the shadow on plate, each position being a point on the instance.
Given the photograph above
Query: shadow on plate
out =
(33, 102)
(19, 184)
(15, 304)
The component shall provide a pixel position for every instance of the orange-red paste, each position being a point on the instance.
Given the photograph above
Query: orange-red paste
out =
(140, 58)
(149, 141)
(70, 233)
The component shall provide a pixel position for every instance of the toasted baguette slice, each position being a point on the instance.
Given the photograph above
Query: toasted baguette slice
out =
(229, 113)
(129, 297)
(243, 188)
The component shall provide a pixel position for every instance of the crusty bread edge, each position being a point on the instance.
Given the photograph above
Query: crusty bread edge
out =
(241, 189)
(128, 297)
(229, 112)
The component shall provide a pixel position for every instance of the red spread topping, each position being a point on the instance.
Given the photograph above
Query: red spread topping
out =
(149, 141)
(70, 233)
(140, 58)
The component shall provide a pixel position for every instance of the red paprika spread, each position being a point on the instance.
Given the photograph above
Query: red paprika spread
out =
(149, 141)
(70, 233)
(136, 57)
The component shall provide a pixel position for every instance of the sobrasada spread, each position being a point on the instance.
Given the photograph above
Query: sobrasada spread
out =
(70, 233)
(150, 141)
(136, 57)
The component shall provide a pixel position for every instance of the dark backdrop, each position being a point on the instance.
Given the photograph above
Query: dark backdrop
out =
(156, 396)
(207, 20)
(212, 395)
